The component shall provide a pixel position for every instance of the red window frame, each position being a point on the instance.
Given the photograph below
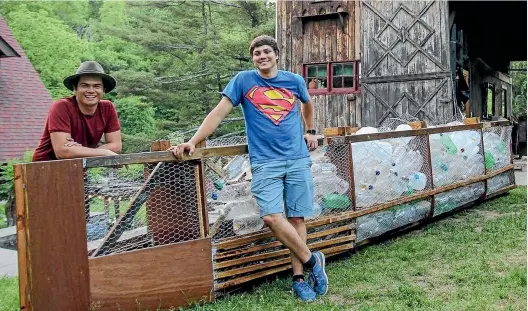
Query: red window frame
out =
(329, 75)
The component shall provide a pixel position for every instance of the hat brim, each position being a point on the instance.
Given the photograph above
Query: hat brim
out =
(108, 81)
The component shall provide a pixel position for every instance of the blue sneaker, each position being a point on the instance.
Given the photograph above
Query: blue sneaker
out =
(303, 290)
(318, 275)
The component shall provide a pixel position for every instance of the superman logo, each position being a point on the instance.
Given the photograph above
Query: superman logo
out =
(274, 103)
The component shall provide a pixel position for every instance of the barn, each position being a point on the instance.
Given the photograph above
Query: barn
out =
(366, 62)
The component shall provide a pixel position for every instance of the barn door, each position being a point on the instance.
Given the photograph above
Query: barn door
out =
(405, 71)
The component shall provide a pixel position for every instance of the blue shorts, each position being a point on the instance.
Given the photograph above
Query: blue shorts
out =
(288, 181)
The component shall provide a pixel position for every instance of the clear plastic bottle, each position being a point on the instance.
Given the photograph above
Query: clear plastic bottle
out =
(247, 224)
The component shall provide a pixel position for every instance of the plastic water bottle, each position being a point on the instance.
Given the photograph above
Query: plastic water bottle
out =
(448, 144)
(241, 208)
(247, 224)
(234, 192)
(417, 181)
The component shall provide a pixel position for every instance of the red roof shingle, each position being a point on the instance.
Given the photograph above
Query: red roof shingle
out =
(24, 101)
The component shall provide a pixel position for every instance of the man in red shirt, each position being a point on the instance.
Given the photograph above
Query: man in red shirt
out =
(76, 124)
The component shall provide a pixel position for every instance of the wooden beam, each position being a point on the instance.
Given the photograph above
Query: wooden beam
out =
(22, 239)
(241, 241)
(314, 235)
(284, 252)
(328, 252)
(52, 228)
(409, 133)
(163, 156)
(162, 277)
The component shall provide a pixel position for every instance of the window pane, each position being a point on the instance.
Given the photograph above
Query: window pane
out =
(337, 70)
(349, 70)
(321, 71)
(349, 82)
(312, 71)
(489, 101)
(337, 82)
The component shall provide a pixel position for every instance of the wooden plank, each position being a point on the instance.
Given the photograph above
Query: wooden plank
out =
(501, 191)
(407, 133)
(328, 252)
(474, 120)
(164, 277)
(22, 245)
(357, 30)
(334, 131)
(55, 230)
(238, 252)
(163, 156)
(200, 198)
(241, 241)
(313, 245)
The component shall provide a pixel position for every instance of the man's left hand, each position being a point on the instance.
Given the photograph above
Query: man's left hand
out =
(311, 142)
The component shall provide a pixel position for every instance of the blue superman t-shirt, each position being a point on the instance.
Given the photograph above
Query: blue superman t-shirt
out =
(271, 112)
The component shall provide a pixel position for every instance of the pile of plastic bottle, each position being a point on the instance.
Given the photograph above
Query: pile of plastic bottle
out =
(449, 200)
(456, 156)
(496, 150)
(386, 169)
(376, 224)
(500, 181)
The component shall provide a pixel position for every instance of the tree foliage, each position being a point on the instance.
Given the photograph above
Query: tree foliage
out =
(171, 58)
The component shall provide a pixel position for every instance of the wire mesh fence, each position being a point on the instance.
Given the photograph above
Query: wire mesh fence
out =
(500, 181)
(449, 200)
(378, 223)
(497, 150)
(388, 169)
(456, 156)
(142, 206)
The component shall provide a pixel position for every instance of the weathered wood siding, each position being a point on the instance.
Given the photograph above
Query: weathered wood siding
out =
(405, 70)
(325, 40)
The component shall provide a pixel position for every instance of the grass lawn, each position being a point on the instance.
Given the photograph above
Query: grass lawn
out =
(3, 219)
(473, 260)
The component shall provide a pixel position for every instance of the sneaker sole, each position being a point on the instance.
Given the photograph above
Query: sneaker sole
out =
(299, 298)
(324, 272)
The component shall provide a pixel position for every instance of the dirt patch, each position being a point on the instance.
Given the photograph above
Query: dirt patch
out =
(337, 299)
(490, 215)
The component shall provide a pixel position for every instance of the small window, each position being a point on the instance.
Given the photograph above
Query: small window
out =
(334, 77)
(317, 76)
(343, 75)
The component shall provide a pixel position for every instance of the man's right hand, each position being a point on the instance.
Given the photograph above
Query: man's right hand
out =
(181, 148)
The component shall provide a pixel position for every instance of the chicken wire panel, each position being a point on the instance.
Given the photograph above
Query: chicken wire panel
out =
(389, 169)
(376, 224)
(233, 211)
(497, 151)
(456, 156)
(449, 200)
(500, 181)
(158, 206)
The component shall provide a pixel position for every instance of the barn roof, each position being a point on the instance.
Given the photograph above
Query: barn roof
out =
(24, 102)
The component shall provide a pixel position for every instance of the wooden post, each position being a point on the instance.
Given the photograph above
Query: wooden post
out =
(51, 228)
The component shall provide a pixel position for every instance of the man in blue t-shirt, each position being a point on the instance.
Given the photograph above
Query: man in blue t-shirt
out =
(272, 101)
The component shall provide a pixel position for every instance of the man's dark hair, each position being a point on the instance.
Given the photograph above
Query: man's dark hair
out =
(263, 40)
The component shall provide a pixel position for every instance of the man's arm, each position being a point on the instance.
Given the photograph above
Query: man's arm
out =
(308, 117)
(112, 142)
(208, 126)
(307, 113)
(65, 149)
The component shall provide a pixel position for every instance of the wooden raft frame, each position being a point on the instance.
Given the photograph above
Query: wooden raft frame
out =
(56, 273)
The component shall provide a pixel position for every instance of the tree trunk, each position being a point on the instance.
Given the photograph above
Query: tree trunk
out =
(10, 210)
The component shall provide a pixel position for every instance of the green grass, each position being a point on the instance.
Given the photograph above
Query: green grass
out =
(473, 260)
(9, 294)
(3, 219)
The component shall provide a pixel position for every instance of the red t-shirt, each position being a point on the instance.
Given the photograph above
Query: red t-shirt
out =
(65, 116)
